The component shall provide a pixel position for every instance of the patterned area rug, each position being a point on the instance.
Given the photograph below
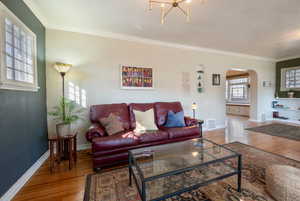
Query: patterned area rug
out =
(279, 130)
(113, 185)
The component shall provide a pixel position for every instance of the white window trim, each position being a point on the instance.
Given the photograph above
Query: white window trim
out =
(245, 97)
(283, 79)
(246, 91)
(13, 84)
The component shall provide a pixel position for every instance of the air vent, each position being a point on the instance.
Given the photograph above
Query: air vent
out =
(211, 123)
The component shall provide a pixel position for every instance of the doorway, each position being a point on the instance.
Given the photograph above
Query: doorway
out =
(241, 94)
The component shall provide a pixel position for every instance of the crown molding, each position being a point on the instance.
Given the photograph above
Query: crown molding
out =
(35, 9)
(132, 38)
(288, 58)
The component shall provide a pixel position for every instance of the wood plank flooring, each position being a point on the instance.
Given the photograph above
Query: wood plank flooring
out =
(65, 185)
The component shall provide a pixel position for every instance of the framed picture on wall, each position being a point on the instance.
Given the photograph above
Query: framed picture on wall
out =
(216, 79)
(136, 77)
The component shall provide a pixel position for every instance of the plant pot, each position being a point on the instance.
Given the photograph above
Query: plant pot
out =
(63, 129)
(291, 94)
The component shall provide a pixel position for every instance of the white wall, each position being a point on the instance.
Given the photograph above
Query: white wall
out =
(96, 63)
(253, 94)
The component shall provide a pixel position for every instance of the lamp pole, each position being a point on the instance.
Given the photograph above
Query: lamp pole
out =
(63, 93)
(194, 113)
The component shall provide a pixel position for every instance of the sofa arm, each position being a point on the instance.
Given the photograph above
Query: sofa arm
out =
(190, 121)
(94, 131)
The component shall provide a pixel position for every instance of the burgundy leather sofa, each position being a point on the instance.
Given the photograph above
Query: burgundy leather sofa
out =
(110, 150)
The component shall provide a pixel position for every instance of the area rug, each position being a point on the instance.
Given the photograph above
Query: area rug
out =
(113, 185)
(279, 130)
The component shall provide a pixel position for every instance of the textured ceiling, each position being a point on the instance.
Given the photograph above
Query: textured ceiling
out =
(269, 28)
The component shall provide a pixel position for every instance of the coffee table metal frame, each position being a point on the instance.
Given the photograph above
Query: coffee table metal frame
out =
(142, 190)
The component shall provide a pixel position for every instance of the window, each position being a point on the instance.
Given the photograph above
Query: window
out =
(83, 98)
(76, 94)
(237, 89)
(238, 92)
(290, 78)
(18, 54)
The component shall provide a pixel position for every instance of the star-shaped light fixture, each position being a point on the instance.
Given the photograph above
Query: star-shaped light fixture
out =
(168, 5)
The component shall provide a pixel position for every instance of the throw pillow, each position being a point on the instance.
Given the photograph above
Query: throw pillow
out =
(144, 120)
(175, 120)
(112, 124)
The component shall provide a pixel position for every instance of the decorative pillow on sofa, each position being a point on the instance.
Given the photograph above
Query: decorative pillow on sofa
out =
(144, 120)
(175, 120)
(112, 124)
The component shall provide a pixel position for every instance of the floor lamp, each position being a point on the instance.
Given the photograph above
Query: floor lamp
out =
(63, 69)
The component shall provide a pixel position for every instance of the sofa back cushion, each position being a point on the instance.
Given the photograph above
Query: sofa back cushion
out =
(103, 111)
(161, 110)
(139, 107)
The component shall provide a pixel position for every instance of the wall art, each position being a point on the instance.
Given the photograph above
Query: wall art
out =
(216, 79)
(135, 77)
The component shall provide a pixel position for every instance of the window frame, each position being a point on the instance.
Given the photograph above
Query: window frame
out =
(245, 85)
(283, 79)
(238, 86)
(6, 83)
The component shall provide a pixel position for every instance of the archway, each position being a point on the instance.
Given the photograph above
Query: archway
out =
(241, 93)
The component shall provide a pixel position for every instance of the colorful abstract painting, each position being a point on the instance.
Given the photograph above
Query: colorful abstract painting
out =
(136, 77)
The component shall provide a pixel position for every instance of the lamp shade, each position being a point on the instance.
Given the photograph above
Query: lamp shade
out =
(61, 67)
(194, 106)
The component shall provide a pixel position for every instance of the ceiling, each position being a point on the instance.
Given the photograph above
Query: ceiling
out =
(269, 29)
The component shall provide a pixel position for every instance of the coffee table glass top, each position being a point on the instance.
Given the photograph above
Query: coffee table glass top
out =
(175, 157)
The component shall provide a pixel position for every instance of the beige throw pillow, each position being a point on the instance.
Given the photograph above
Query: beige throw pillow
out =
(144, 120)
(112, 124)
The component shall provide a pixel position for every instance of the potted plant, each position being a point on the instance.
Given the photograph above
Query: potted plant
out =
(65, 113)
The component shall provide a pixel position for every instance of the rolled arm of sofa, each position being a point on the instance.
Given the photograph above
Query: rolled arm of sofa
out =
(190, 121)
(94, 131)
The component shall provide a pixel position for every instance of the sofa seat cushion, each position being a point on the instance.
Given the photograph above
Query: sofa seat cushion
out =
(182, 132)
(153, 136)
(118, 140)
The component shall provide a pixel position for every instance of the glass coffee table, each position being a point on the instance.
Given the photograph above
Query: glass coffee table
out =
(163, 171)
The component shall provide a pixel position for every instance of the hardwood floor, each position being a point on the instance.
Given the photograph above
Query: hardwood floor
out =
(65, 185)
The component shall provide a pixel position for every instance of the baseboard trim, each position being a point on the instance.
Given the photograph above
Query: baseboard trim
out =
(255, 120)
(84, 147)
(216, 128)
(260, 121)
(14, 189)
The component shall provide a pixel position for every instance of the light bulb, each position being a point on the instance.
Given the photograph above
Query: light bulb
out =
(162, 5)
(195, 154)
(188, 1)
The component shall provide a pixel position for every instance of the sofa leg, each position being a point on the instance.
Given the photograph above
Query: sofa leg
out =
(97, 169)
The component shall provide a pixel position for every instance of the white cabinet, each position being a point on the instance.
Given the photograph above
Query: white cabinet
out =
(235, 109)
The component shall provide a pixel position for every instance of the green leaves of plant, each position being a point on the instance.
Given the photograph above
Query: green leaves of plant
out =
(72, 111)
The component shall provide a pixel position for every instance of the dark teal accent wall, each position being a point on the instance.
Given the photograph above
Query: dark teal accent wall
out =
(23, 115)
(285, 64)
